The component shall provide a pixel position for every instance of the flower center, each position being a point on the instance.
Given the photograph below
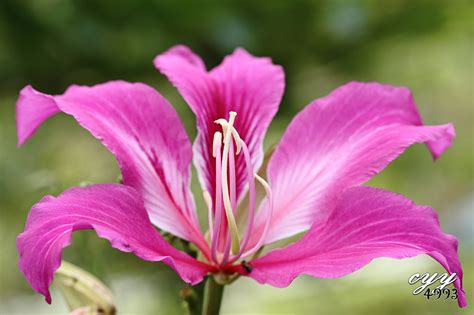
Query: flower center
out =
(226, 244)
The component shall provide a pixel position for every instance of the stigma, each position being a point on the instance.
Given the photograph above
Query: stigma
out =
(227, 243)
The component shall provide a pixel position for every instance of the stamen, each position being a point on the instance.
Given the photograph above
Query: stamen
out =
(208, 201)
(233, 199)
(216, 149)
(252, 194)
(216, 143)
(235, 134)
(268, 192)
(225, 189)
(225, 239)
(233, 192)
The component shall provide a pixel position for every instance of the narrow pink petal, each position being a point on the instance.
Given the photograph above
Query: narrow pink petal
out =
(248, 85)
(144, 133)
(29, 118)
(337, 142)
(115, 212)
(367, 223)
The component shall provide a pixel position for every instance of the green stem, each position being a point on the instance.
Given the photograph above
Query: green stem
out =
(212, 297)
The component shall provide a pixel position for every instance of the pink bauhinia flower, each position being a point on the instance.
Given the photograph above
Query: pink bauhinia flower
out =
(315, 174)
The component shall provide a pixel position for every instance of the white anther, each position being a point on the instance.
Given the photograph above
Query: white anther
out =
(216, 142)
(225, 126)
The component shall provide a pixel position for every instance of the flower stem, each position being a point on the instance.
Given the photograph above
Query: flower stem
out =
(212, 297)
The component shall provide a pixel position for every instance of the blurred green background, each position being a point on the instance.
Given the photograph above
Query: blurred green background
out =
(425, 45)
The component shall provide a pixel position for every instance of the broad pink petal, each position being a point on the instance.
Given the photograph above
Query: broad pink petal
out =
(366, 224)
(144, 133)
(115, 212)
(340, 141)
(248, 85)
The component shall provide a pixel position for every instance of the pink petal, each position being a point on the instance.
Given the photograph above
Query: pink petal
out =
(366, 224)
(145, 134)
(340, 141)
(248, 85)
(29, 118)
(115, 212)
